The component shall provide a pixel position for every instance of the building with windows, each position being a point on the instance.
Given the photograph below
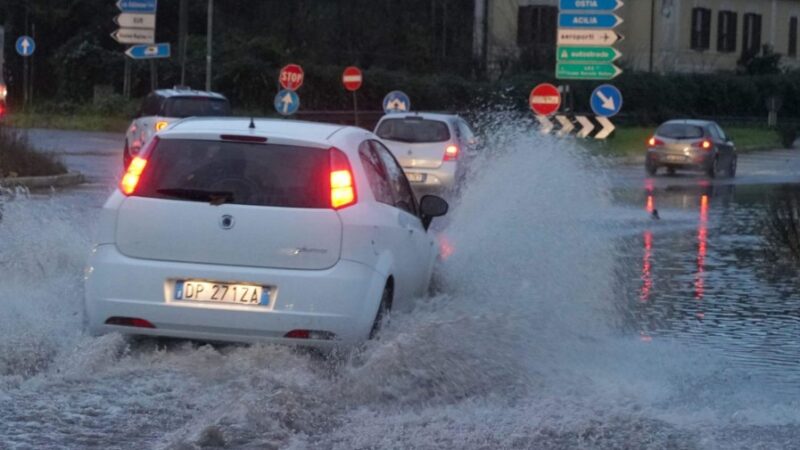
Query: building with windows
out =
(659, 35)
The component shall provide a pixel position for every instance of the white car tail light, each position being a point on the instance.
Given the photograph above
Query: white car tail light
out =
(451, 153)
(343, 188)
(132, 175)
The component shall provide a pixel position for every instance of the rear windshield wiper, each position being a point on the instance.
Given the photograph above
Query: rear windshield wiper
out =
(397, 139)
(199, 195)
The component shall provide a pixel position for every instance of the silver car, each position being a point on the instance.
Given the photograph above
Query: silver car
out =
(165, 106)
(692, 145)
(430, 147)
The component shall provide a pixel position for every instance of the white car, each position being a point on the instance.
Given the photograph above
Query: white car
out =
(165, 106)
(262, 231)
(430, 147)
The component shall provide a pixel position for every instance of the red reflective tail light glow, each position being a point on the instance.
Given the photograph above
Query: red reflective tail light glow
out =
(342, 183)
(654, 142)
(451, 153)
(129, 322)
(132, 175)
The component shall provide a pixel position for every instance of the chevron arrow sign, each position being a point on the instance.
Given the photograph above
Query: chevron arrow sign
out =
(583, 126)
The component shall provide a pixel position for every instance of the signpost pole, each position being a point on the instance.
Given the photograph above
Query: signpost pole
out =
(126, 79)
(355, 107)
(208, 43)
(183, 26)
(33, 67)
(153, 75)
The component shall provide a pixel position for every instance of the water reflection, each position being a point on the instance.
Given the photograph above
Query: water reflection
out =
(704, 275)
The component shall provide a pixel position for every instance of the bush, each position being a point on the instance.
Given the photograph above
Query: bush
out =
(788, 135)
(783, 223)
(17, 158)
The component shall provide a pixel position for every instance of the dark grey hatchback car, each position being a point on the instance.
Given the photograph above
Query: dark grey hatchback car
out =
(691, 145)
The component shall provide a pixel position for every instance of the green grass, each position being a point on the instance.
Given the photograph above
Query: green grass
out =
(632, 141)
(81, 122)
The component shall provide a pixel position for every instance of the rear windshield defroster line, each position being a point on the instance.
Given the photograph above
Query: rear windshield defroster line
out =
(238, 173)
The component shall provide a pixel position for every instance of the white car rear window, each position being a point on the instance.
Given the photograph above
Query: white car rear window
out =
(242, 173)
(413, 130)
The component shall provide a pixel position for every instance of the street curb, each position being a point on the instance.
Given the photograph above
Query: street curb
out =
(63, 180)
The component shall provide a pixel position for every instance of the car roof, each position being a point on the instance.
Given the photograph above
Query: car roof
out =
(695, 122)
(186, 92)
(274, 128)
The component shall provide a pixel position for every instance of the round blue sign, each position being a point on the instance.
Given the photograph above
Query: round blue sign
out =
(396, 102)
(606, 101)
(287, 102)
(25, 45)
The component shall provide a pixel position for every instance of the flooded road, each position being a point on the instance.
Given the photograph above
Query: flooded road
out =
(707, 275)
(565, 317)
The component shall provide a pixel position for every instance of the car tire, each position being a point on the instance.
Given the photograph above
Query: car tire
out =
(385, 307)
(732, 166)
(713, 169)
(650, 168)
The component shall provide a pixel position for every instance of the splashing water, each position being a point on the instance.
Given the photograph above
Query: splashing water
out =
(520, 347)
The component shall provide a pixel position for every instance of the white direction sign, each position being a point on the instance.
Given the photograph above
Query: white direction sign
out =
(607, 129)
(566, 125)
(136, 20)
(134, 36)
(586, 126)
(570, 36)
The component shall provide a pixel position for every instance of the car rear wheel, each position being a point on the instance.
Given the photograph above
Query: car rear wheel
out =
(382, 317)
(732, 166)
(650, 168)
(713, 170)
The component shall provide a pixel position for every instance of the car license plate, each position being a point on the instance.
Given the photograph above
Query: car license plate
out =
(415, 177)
(676, 158)
(214, 292)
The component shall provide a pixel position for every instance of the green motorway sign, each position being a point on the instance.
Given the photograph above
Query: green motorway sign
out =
(587, 71)
(569, 54)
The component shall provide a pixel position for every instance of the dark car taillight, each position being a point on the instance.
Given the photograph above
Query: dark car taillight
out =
(705, 144)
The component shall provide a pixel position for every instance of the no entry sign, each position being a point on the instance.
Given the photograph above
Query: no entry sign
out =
(352, 78)
(291, 77)
(545, 99)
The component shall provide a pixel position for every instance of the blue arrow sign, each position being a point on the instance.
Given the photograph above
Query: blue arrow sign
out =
(149, 51)
(139, 6)
(588, 20)
(287, 102)
(25, 45)
(590, 5)
(606, 101)
(396, 101)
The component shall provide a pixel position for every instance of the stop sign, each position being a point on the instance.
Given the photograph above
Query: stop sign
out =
(291, 77)
(545, 99)
(352, 78)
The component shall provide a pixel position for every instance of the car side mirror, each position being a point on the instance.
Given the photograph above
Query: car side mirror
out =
(432, 206)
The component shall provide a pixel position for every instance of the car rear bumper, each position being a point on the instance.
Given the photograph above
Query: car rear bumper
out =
(442, 178)
(342, 300)
(696, 161)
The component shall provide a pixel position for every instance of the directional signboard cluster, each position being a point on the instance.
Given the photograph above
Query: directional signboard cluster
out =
(585, 40)
(137, 25)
